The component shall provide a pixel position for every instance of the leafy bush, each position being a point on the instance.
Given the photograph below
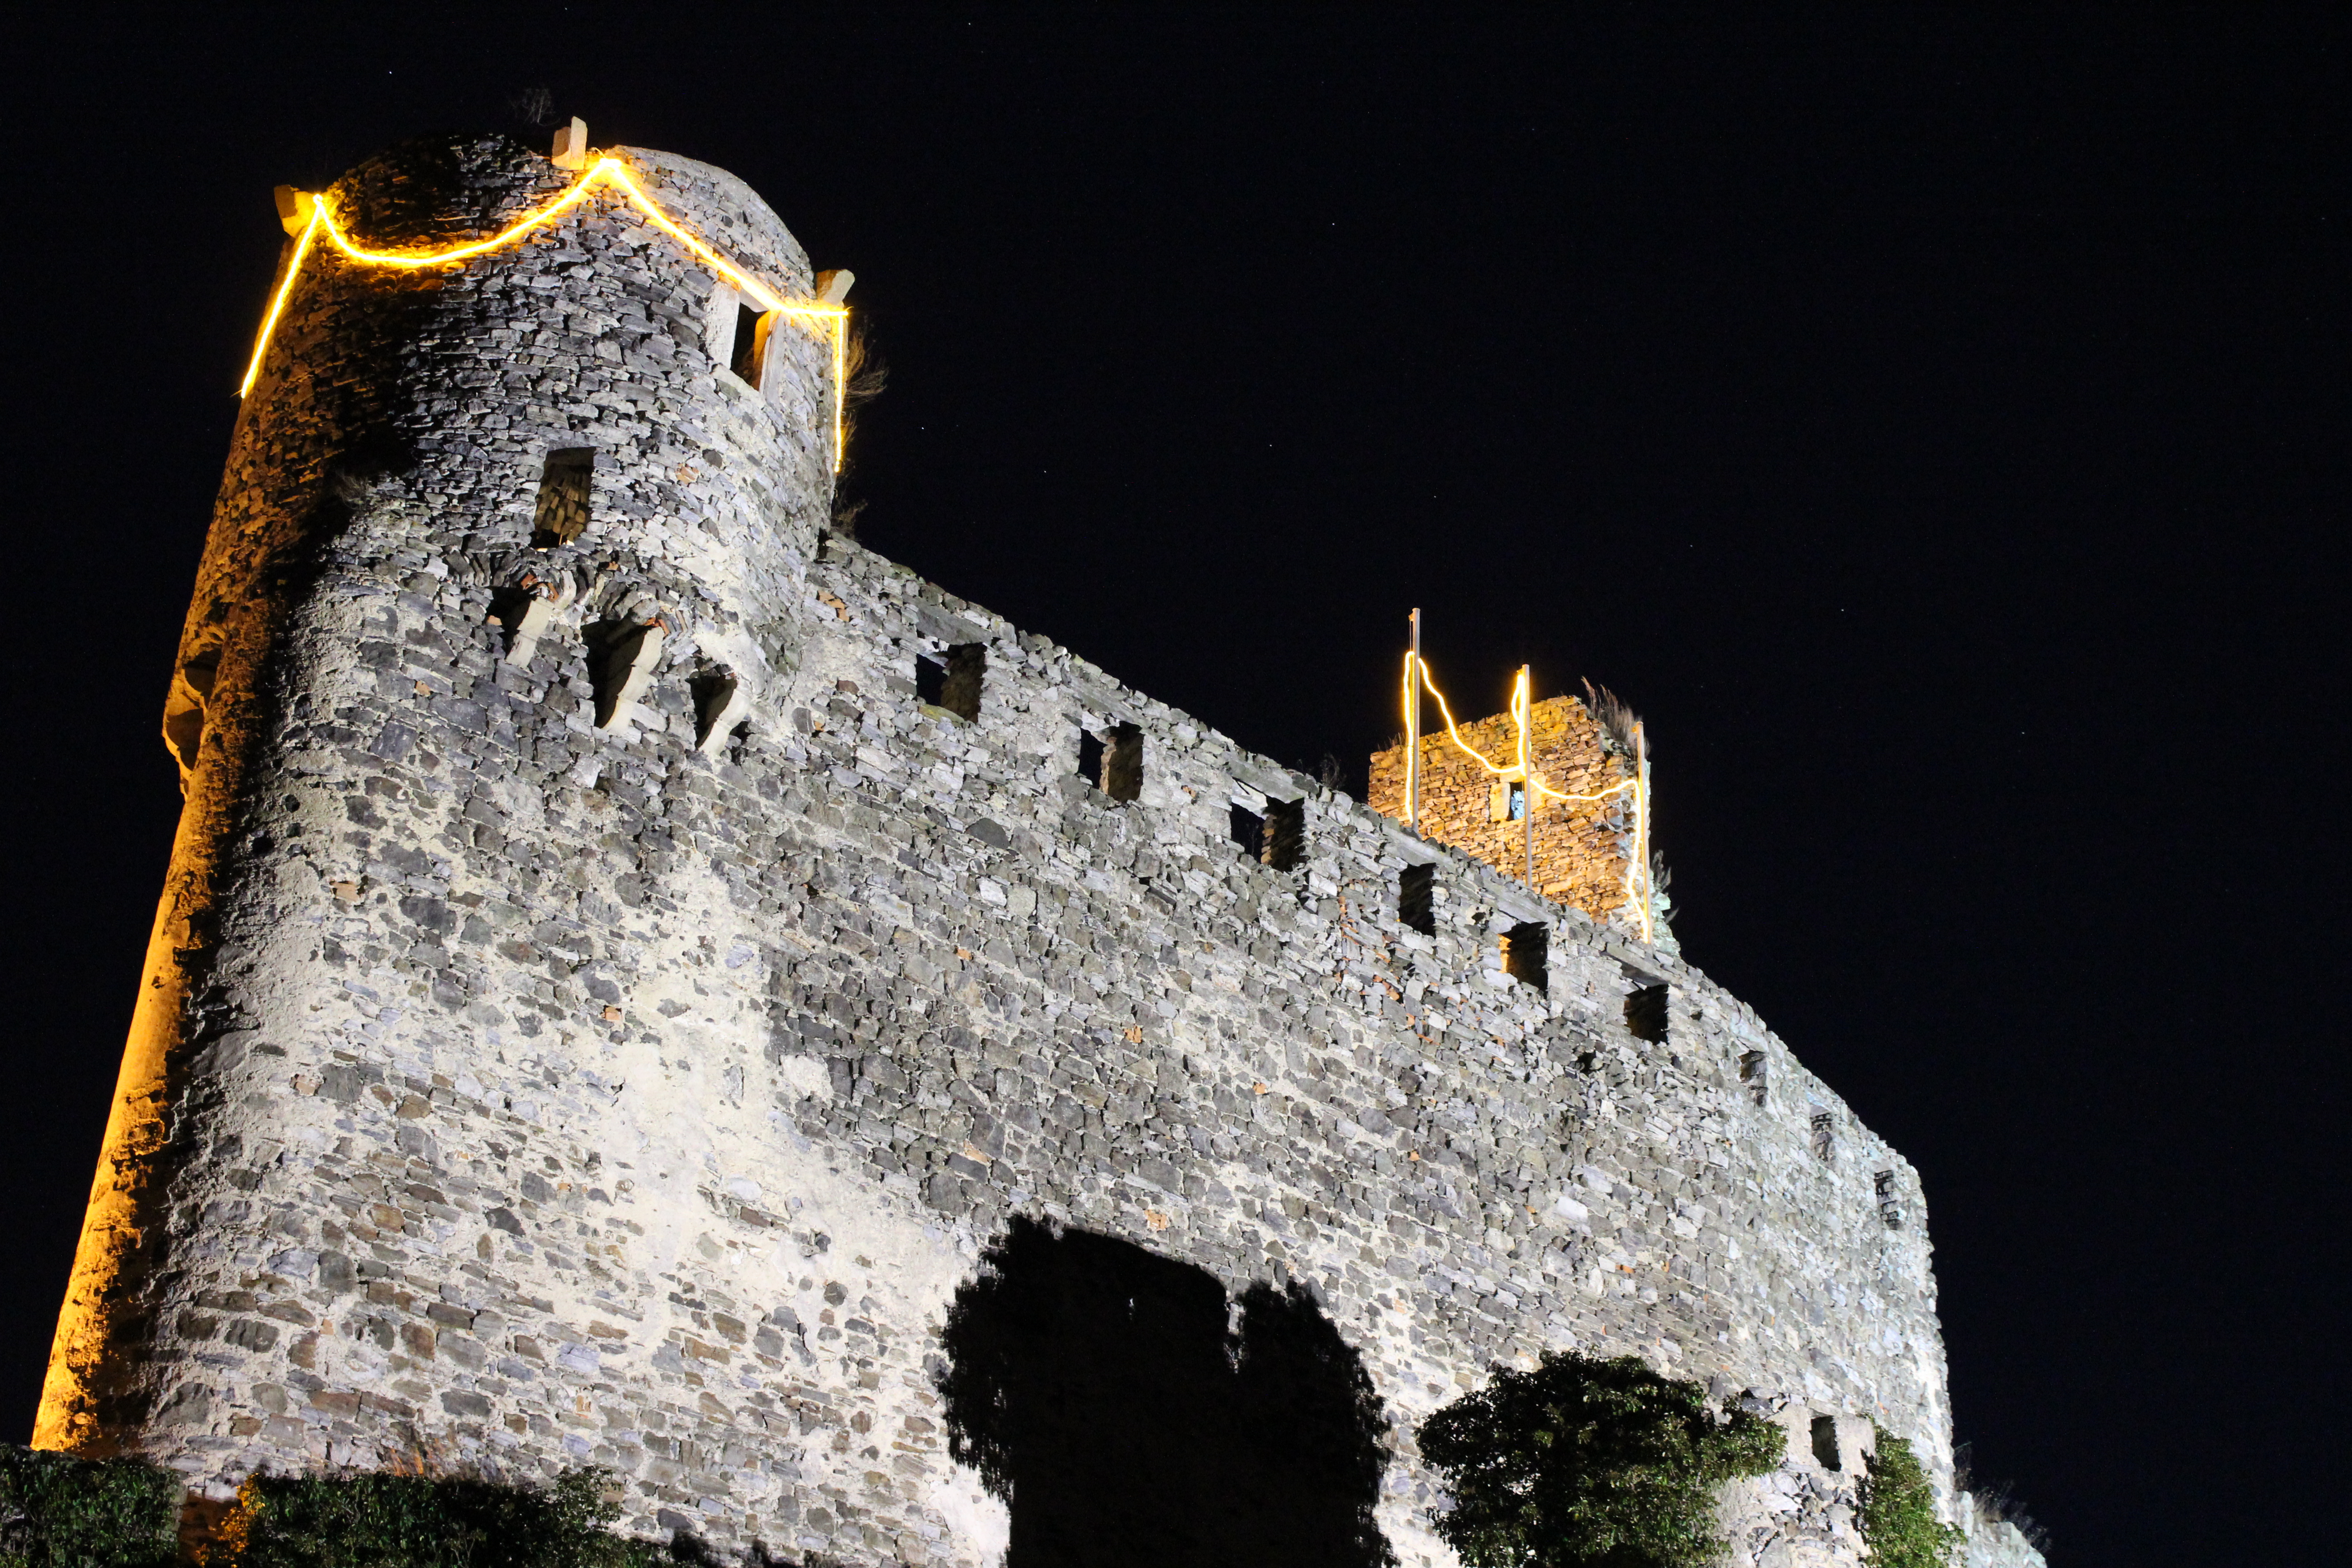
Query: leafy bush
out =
(1585, 1463)
(61, 1511)
(1898, 1511)
(352, 1519)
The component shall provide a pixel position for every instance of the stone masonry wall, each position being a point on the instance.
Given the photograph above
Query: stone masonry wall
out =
(541, 1094)
(1581, 847)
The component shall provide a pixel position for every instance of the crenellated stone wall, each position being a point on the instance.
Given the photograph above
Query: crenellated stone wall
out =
(524, 1093)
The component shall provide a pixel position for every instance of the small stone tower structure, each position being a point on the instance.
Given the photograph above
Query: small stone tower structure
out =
(1581, 848)
(645, 982)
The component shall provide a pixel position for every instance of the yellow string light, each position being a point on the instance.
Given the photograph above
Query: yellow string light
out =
(1447, 713)
(605, 170)
(278, 301)
(1522, 714)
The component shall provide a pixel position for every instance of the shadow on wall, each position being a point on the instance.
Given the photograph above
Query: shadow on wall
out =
(1127, 1415)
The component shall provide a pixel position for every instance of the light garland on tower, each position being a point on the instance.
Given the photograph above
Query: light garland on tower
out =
(1637, 870)
(321, 218)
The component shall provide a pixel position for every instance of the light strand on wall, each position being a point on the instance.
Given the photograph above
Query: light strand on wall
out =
(603, 171)
(1637, 866)
(1519, 711)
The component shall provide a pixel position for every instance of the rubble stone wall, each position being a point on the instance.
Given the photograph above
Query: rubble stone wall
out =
(1580, 845)
(535, 1094)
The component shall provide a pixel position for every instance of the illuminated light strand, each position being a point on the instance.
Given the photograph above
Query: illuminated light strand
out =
(1637, 866)
(1641, 837)
(278, 301)
(1447, 713)
(1520, 714)
(604, 170)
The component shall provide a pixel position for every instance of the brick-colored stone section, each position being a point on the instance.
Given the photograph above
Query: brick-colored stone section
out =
(532, 1074)
(1582, 847)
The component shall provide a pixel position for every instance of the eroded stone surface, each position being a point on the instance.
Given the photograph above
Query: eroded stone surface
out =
(547, 1094)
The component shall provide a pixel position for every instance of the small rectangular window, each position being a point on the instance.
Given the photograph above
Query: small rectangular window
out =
(967, 669)
(1249, 832)
(1823, 1129)
(561, 514)
(1515, 806)
(1523, 955)
(714, 693)
(1416, 901)
(1645, 1014)
(1890, 1202)
(1090, 757)
(1122, 764)
(750, 343)
(1286, 833)
(1825, 1443)
(931, 680)
(1755, 1071)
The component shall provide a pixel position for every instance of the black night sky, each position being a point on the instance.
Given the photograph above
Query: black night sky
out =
(1932, 420)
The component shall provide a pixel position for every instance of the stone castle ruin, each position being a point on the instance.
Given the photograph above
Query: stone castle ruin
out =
(643, 981)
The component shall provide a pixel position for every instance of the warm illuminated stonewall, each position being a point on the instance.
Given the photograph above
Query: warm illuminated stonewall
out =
(626, 952)
(1582, 847)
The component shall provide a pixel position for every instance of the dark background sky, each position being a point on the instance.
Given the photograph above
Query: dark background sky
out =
(1936, 425)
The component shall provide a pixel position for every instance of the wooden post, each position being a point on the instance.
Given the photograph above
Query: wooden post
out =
(1527, 766)
(1412, 728)
(1642, 828)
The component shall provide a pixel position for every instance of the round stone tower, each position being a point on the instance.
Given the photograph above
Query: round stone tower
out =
(536, 516)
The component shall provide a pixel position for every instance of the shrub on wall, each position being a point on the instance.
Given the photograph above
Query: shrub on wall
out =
(1898, 1511)
(1586, 1463)
(352, 1519)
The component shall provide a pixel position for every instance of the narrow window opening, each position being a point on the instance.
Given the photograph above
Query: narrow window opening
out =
(621, 655)
(1756, 1073)
(1890, 1202)
(1523, 955)
(1515, 805)
(1416, 899)
(1645, 1014)
(1249, 832)
(1286, 833)
(751, 335)
(1090, 757)
(930, 681)
(1825, 1443)
(961, 678)
(522, 614)
(1822, 1126)
(1122, 764)
(716, 700)
(184, 707)
(564, 485)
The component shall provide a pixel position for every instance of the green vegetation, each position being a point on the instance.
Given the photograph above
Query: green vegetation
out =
(1585, 1463)
(1898, 1511)
(61, 1511)
(352, 1519)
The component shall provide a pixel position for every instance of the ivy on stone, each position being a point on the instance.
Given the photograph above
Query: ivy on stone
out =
(57, 1511)
(1590, 1463)
(1897, 1517)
